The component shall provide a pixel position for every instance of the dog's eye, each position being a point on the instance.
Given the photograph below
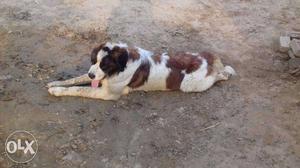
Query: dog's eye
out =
(104, 64)
(106, 49)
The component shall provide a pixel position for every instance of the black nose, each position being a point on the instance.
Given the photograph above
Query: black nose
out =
(91, 75)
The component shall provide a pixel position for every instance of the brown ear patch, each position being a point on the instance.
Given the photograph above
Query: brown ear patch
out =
(115, 61)
(95, 53)
(133, 54)
(140, 76)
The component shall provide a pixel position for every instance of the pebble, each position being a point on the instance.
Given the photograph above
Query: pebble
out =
(5, 77)
(294, 35)
(295, 45)
(284, 43)
(294, 63)
(138, 165)
(7, 96)
(296, 26)
(107, 113)
(291, 54)
(73, 157)
(23, 15)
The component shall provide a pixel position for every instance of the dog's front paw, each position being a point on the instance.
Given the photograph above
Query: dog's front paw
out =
(56, 91)
(54, 84)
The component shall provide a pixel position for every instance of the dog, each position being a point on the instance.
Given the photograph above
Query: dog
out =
(117, 70)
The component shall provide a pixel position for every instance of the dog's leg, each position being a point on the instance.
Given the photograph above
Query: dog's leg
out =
(83, 79)
(96, 93)
(226, 73)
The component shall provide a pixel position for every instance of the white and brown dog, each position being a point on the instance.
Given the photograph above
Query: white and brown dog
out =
(119, 70)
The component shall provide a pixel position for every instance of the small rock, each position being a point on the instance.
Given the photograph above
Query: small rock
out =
(115, 120)
(5, 77)
(284, 43)
(295, 45)
(291, 54)
(294, 63)
(296, 26)
(83, 164)
(93, 124)
(295, 72)
(280, 66)
(181, 109)
(104, 160)
(282, 56)
(138, 165)
(81, 111)
(107, 113)
(7, 96)
(294, 35)
(24, 15)
(73, 157)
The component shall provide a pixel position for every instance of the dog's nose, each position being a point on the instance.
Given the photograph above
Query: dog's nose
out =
(91, 75)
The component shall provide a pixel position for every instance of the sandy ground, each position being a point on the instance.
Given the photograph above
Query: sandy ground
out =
(254, 118)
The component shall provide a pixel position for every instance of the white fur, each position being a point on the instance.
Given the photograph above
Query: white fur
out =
(196, 81)
(158, 74)
(144, 53)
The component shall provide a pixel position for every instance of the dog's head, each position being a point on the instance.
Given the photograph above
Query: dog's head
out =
(107, 60)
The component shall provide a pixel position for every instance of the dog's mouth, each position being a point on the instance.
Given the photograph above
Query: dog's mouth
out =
(95, 83)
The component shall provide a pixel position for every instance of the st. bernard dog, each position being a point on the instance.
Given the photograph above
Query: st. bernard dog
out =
(118, 69)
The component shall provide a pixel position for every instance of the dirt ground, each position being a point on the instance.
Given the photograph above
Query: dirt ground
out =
(252, 120)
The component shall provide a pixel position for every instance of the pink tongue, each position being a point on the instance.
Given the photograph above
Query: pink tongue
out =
(95, 83)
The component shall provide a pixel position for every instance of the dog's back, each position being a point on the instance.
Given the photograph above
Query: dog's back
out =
(188, 72)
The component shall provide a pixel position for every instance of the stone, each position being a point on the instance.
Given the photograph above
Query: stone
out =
(296, 26)
(73, 157)
(7, 96)
(294, 63)
(295, 45)
(294, 35)
(291, 54)
(5, 77)
(284, 43)
(280, 66)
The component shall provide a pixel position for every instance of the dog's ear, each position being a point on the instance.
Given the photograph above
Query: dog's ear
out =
(120, 55)
(122, 59)
(94, 53)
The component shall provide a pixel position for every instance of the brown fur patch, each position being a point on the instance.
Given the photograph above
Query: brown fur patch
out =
(174, 79)
(133, 54)
(208, 56)
(140, 76)
(184, 61)
(95, 53)
(178, 63)
(210, 61)
(209, 70)
(157, 58)
(116, 52)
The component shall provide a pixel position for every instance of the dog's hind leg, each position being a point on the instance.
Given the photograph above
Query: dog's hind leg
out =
(80, 80)
(95, 93)
(226, 73)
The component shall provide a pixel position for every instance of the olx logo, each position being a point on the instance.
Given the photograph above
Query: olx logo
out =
(21, 146)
